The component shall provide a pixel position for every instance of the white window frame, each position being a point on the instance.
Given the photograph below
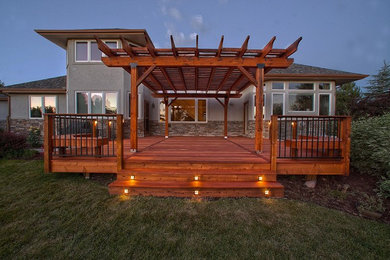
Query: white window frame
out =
(275, 89)
(42, 103)
(330, 102)
(90, 101)
(325, 90)
(272, 102)
(196, 112)
(89, 50)
(300, 93)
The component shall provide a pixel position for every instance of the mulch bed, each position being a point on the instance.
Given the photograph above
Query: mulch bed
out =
(338, 192)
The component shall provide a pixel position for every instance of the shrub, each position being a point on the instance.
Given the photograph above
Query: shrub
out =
(12, 144)
(384, 188)
(34, 137)
(370, 146)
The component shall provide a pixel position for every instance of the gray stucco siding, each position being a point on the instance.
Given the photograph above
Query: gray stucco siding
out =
(3, 109)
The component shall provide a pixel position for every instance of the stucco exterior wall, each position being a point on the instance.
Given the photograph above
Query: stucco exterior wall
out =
(3, 109)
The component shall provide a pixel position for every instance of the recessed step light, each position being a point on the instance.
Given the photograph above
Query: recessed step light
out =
(260, 178)
(196, 192)
(266, 192)
(132, 177)
(126, 191)
(196, 178)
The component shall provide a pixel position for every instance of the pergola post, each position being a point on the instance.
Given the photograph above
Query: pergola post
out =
(259, 108)
(166, 117)
(134, 109)
(225, 117)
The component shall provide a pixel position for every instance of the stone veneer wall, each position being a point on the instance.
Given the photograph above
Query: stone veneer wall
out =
(211, 128)
(126, 128)
(22, 126)
(251, 129)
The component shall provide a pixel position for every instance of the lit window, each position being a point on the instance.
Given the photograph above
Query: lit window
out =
(202, 110)
(96, 103)
(42, 104)
(183, 110)
(111, 103)
(299, 86)
(162, 111)
(301, 102)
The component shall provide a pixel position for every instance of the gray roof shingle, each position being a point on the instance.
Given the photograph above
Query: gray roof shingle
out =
(57, 83)
(306, 69)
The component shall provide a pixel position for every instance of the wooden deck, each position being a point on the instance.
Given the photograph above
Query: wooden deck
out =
(197, 166)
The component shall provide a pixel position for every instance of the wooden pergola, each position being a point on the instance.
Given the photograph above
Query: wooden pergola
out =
(197, 73)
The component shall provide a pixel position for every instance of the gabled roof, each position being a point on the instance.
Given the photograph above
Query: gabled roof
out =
(305, 72)
(50, 85)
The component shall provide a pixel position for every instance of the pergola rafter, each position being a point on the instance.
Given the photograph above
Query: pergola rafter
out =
(204, 73)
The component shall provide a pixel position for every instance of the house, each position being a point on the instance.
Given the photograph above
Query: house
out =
(185, 86)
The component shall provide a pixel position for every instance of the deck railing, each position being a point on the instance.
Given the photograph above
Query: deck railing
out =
(310, 137)
(83, 135)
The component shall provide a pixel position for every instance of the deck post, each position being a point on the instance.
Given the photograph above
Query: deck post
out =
(119, 142)
(347, 143)
(166, 117)
(274, 141)
(259, 108)
(134, 109)
(225, 117)
(48, 142)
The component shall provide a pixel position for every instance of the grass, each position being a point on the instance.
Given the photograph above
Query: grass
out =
(66, 216)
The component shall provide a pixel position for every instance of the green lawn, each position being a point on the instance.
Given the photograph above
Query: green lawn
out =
(66, 216)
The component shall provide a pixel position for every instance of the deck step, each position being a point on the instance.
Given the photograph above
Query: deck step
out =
(229, 175)
(196, 165)
(197, 188)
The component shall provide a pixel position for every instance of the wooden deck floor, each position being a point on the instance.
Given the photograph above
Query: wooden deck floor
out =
(197, 149)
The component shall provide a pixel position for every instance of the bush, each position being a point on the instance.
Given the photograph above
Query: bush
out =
(34, 137)
(12, 145)
(370, 149)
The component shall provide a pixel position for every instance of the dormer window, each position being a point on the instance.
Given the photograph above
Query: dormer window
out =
(88, 51)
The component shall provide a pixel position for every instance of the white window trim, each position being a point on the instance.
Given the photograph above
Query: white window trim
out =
(196, 112)
(90, 101)
(89, 60)
(42, 103)
(330, 102)
(272, 102)
(300, 93)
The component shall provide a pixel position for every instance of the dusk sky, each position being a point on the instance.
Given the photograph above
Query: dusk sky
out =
(349, 35)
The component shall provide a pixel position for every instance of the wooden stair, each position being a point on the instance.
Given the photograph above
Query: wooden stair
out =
(179, 179)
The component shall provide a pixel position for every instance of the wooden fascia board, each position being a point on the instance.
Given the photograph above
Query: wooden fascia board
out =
(33, 91)
(194, 95)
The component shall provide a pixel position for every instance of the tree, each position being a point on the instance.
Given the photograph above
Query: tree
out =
(380, 83)
(2, 84)
(347, 97)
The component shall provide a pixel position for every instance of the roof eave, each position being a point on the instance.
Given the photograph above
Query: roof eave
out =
(32, 91)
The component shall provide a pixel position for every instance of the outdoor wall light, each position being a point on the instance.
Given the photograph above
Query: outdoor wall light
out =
(266, 192)
(95, 122)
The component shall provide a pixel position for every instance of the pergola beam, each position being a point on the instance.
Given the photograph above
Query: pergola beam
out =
(227, 75)
(220, 47)
(104, 48)
(153, 78)
(244, 47)
(145, 74)
(292, 48)
(127, 48)
(194, 95)
(267, 49)
(248, 75)
(210, 78)
(190, 61)
(164, 72)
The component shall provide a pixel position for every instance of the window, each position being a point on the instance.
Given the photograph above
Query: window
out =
(162, 111)
(254, 106)
(202, 110)
(301, 102)
(186, 110)
(299, 86)
(324, 109)
(324, 86)
(96, 102)
(42, 104)
(278, 85)
(183, 110)
(89, 51)
(277, 104)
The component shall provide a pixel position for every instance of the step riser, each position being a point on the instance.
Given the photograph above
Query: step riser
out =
(189, 193)
(190, 177)
(199, 166)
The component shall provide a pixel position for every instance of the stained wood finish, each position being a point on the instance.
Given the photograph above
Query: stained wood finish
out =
(134, 109)
(259, 108)
(48, 142)
(119, 146)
